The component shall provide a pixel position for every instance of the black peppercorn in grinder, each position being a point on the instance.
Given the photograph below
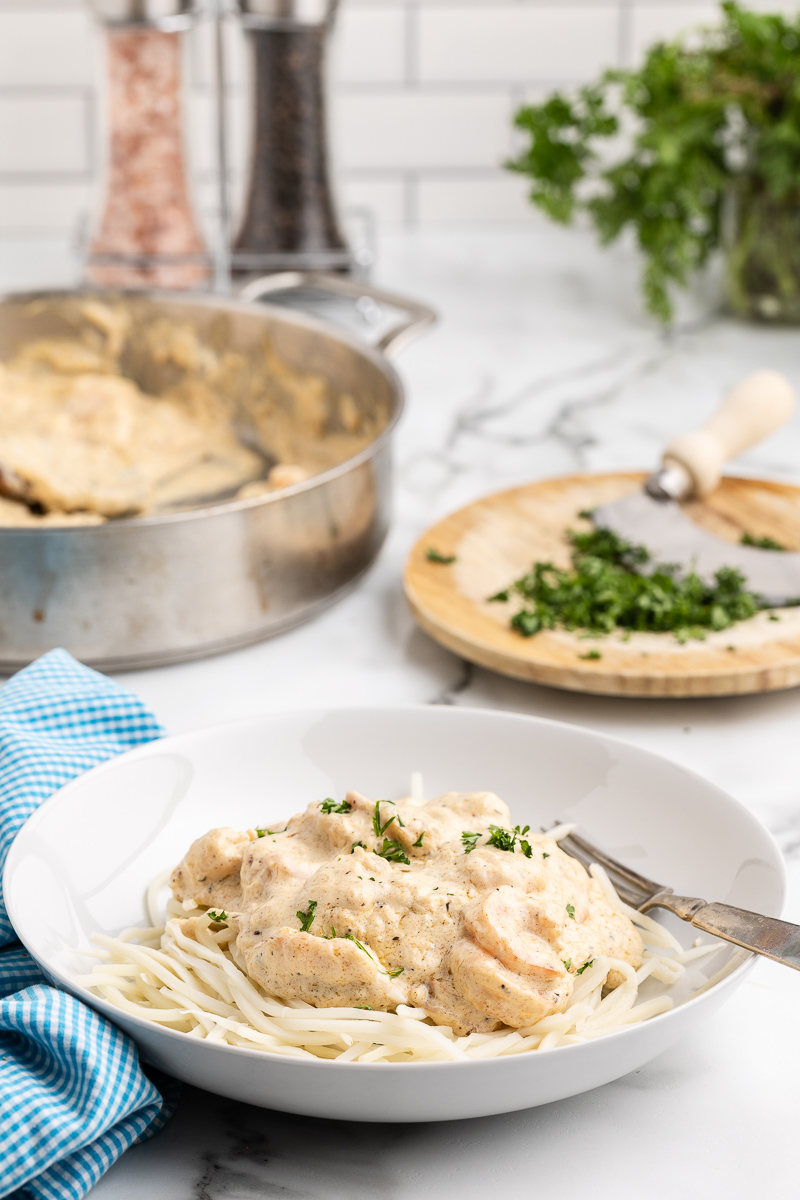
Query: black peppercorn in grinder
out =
(289, 220)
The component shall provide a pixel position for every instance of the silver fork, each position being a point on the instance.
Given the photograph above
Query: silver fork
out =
(778, 940)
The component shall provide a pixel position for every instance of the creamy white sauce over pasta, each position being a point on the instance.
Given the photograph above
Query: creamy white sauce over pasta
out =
(186, 973)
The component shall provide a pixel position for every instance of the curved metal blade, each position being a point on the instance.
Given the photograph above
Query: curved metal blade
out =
(672, 537)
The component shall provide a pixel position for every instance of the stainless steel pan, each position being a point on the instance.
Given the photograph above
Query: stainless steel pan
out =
(161, 589)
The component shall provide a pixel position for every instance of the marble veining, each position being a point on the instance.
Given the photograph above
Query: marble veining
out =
(543, 364)
(273, 1157)
(458, 687)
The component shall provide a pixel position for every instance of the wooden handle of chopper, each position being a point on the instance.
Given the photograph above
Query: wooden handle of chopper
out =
(755, 408)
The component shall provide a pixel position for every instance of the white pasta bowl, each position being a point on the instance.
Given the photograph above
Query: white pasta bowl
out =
(83, 861)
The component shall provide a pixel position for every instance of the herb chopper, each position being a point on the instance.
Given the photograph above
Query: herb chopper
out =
(493, 540)
(691, 467)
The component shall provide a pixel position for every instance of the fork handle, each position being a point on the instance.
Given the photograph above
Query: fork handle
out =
(778, 940)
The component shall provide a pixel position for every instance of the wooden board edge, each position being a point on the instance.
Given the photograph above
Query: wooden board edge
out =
(598, 682)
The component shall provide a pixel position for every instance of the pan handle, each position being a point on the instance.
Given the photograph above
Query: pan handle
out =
(416, 317)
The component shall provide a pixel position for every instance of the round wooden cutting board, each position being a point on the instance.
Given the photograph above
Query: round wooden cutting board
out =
(495, 541)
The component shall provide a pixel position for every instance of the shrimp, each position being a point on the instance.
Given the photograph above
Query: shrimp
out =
(325, 972)
(492, 988)
(519, 931)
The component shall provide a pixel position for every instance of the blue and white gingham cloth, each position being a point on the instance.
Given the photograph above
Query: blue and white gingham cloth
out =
(73, 1096)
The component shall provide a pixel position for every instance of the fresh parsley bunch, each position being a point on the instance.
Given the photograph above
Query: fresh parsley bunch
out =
(714, 113)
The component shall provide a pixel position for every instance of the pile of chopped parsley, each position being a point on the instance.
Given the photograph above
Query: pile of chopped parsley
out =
(611, 586)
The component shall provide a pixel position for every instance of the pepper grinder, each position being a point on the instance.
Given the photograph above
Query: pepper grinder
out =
(147, 234)
(289, 220)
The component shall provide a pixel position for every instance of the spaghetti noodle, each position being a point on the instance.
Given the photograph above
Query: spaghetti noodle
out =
(197, 986)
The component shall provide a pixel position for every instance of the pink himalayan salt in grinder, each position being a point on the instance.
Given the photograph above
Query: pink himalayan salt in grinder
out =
(147, 234)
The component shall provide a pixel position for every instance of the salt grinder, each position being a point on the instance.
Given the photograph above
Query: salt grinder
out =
(289, 220)
(147, 234)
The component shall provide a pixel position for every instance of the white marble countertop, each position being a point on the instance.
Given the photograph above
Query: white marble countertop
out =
(543, 363)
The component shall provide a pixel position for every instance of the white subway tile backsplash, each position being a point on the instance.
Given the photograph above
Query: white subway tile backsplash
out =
(43, 5)
(369, 45)
(660, 22)
(788, 8)
(501, 198)
(423, 93)
(385, 199)
(510, 42)
(45, 49)
(202, 144)
(46, 134)
(60, 208)
(202, 54)
(418, 129)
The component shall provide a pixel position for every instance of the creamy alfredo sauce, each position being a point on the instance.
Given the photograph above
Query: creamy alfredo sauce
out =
(475, 934)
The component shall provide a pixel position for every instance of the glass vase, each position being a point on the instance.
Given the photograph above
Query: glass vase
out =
(762, 255)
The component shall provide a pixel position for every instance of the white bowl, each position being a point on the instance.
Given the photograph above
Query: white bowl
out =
(83, 860)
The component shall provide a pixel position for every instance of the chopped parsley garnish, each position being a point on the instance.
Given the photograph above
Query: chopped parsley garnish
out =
(499, 597)
(470, 841)
(380, 830)
(571, 911)
(418, 842)
(591, 655)
(436, 556)
(361, 844)
(348, 937)
(613, 584)
(261, 832)
(545, 855)
(305, 918)
(587, 964)
(568, 963)
(330, 806)
(367, 1007)
(506, 839)
(501, 839)
(392, 852)
(762, 543)
(394, 974)
(217, 917)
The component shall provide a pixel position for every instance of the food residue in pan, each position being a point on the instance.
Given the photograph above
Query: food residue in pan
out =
(123, 419)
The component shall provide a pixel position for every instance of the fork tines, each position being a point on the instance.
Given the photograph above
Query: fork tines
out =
(631, 887)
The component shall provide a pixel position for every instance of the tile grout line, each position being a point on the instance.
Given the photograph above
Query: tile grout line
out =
(410, 200)
(413, 58)
(411, 46)
(625, 34)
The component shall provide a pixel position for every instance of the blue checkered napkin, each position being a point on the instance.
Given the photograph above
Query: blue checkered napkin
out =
(72, 1094)
(57, 719)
